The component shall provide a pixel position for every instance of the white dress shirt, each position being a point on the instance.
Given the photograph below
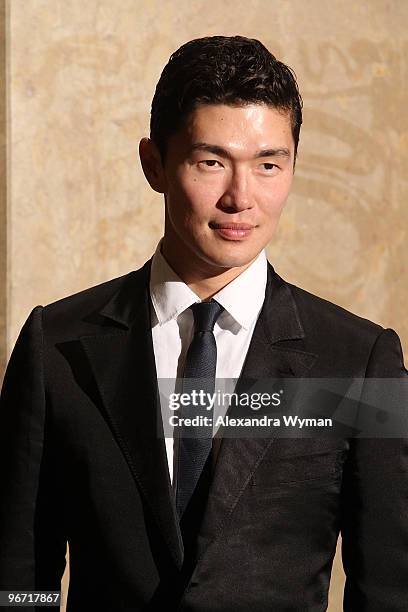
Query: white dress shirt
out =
(173, 323)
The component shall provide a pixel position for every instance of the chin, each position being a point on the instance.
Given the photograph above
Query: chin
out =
(229, 260)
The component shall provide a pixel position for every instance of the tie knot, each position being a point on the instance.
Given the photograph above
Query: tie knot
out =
(205, 315)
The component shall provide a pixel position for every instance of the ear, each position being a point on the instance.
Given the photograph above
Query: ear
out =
(152, 165)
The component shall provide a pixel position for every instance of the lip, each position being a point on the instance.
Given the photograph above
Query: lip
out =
(232, 231)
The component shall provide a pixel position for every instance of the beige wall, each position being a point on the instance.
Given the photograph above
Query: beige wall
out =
(82, 74)
(3, 190)
(82, 77)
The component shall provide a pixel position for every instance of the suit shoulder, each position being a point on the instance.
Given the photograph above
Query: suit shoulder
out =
(348, 336)
(71, 315)
(320, 314)
(87, 296)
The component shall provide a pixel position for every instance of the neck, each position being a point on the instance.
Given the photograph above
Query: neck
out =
(202, 278)
(207, 287)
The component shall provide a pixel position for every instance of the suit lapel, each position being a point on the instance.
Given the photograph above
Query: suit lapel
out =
(123, 366)
(276, 351)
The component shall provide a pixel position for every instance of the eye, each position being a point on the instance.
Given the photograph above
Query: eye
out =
(268, 166)
(210, 163)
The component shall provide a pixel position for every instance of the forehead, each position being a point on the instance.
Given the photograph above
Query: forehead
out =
(253, 126)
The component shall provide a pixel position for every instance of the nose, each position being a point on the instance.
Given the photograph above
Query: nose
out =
(236, 196)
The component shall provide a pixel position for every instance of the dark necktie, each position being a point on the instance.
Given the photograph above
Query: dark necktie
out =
(195, 443)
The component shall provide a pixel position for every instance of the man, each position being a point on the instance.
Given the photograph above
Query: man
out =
(174, 524)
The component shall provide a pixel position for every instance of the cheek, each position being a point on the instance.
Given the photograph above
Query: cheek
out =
(279, 196)
(188, 208)
(201, 197)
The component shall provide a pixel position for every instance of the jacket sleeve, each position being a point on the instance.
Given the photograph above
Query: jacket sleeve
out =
(375, 502)
(32, 542)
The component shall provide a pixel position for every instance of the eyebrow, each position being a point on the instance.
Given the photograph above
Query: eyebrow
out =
(221, 152)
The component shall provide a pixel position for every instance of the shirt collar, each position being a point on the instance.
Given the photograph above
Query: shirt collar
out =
(171, 296)
(243, 297)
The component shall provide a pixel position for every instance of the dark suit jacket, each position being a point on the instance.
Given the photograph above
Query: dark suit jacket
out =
(81, 462)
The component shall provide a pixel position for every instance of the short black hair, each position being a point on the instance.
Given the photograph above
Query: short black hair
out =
(231, 70)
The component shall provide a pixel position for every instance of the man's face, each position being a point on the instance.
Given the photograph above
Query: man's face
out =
(227, 176)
